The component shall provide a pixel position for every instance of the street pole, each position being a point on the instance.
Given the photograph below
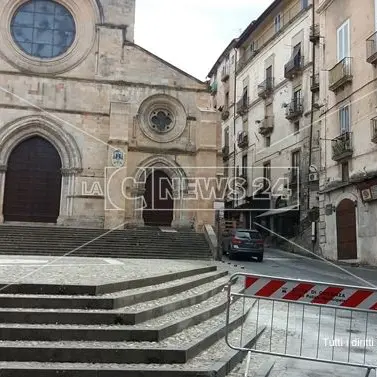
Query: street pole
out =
(234, 130)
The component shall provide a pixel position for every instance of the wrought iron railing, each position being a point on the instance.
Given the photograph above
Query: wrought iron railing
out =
(342, 146)
(340, 74)
(242, 105)
(294, 109)
(266, 87)
(314, 33)
(243, 139)
(372, 48)
(294, 66)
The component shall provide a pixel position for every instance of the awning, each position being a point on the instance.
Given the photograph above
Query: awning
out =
(278, 211)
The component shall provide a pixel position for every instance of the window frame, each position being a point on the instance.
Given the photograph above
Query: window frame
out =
(340, 41)
(347, 129)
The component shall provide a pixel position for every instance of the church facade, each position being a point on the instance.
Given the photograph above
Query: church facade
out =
(94, 128)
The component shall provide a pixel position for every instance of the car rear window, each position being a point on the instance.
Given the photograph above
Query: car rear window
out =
(248, 234)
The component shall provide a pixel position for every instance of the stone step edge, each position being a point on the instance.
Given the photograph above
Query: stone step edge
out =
(100, 289)
(148, 334)
(132, 355)
(105, 303)
(103, 317)
(218, 369)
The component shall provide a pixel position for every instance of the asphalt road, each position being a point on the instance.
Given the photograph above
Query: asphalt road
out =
(281, 264)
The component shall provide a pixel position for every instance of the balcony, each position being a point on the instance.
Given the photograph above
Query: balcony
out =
(225, 114)
(314, 82)
(374, 130)
(372, 49)
(225, 152)
(266, 87)
(342, 147)
(294, 67)
(266, 126)
(225, 74)
(243, 140)
(294, 110)
(213, 88)
(314, 34)
(341, 74)
(242, 105)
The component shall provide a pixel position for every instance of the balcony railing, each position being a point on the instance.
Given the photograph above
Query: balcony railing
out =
(225, 74)
(293, 67)
(341, 74)
(372, 48)
(225, 114)
(374, 130)
(242, 105)
(266, 87)
(342, 147)
(314, 82)
(243, 139)
(295, 109)
(266, 126)
(225, 152)
(314, 33)
(213, 88)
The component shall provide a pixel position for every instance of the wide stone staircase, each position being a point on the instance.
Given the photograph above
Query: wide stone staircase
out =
(168, 325)
(148, 242)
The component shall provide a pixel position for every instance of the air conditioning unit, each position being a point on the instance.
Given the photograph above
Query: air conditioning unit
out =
(313, 177)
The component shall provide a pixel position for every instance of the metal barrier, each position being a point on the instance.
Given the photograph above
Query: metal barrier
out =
(307, 320)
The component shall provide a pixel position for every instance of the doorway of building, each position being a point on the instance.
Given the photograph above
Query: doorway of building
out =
(346, 230)
(158, 198)
(33, 182)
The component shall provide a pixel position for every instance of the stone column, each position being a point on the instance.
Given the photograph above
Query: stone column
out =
(3, 169)
(121, 121)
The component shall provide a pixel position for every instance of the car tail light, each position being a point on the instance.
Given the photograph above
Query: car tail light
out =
(236, 241)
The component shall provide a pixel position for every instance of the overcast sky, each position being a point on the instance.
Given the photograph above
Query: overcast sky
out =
(191, 34)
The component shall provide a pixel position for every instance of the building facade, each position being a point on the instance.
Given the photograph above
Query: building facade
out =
(91, 122)
(274, 135)
(348, 206)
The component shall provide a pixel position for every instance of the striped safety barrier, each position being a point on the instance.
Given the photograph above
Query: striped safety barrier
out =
(311, 292)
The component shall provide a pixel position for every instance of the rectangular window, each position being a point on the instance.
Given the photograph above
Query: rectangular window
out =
(277, 23)
(269, 72)
(345, 172)
(295, 163)
(226, 104)
(267, 172)
(343, 41)
(267, 141)
(296, 126)
(244, 165)
(226, 137)
(344, 119)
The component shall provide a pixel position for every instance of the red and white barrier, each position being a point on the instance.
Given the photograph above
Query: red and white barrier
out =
(311, 292)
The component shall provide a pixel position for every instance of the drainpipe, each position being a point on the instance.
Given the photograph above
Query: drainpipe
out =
(375, 15)
(234, 125)
(312, 105)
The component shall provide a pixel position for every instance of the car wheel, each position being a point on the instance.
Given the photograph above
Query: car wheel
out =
(260, 258)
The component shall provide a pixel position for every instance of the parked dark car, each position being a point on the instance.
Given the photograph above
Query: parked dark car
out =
(244, 243)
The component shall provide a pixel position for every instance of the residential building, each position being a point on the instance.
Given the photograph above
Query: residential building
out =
(92, 123)
(348, 190)
(275, 126)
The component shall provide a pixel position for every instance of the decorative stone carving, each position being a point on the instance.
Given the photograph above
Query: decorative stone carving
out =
(162, 118)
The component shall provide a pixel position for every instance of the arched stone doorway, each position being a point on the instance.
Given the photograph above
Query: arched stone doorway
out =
(346, 230)
(33, 182)
(158, 197)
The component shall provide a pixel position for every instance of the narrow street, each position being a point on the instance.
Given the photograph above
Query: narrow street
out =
(281, 264)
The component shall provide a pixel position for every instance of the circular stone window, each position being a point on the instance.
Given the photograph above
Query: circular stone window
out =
(161, 120)
(43, 28)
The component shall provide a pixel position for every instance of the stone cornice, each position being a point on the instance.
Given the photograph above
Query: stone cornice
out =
(325, 4)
